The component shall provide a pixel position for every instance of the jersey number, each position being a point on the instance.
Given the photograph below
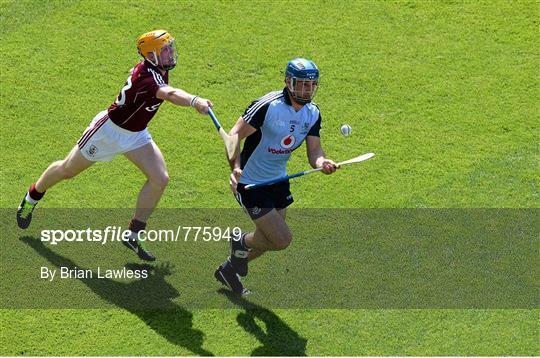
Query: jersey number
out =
(292, 128)
(121, 100)
(153, 108)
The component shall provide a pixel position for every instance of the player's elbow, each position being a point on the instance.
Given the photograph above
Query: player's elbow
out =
(166, 93)
(170, 96)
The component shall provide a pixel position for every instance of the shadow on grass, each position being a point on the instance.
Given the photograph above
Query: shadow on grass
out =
(167, 319)
(277, 337)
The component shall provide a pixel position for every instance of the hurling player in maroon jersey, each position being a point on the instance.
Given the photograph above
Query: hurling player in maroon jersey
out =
(122, 129)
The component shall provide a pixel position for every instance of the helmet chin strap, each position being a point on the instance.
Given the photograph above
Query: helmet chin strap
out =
(301, 100)
(155, 63)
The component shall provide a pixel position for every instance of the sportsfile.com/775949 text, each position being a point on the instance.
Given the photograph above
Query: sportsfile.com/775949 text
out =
(116, 233)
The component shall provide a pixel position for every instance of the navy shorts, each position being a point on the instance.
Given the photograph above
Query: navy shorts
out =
(259, 202)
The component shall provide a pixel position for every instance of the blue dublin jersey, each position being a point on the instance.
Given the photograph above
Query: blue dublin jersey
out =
(280, 130)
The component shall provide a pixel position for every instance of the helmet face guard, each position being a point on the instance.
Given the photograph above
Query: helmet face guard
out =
(302, 79)
(167, 57)
(302, 90)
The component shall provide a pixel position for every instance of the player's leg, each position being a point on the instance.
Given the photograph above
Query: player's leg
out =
(150, 161)
(272, 233)
(75, 162)
(60, 170)
(253, 239)
(266, 207)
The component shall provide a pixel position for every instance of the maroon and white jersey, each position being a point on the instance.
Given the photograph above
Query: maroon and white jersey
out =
(137, 102)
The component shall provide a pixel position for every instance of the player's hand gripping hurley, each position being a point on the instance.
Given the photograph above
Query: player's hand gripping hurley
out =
(358, 159)
(232, 144)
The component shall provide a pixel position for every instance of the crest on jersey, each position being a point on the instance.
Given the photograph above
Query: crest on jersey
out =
(92, 150)
(288, 141)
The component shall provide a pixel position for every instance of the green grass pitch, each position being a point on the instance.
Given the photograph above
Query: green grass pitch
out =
(445, 93)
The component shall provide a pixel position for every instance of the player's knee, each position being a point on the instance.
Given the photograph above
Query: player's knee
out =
(160, 181)
(283, 241)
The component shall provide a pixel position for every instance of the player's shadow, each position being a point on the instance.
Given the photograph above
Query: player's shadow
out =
(277, 338)
(149, 298)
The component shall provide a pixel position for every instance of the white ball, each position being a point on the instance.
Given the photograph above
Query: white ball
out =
(346, 130)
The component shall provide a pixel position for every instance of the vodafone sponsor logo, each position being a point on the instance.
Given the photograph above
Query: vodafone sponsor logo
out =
(279, 151)
(288, 141)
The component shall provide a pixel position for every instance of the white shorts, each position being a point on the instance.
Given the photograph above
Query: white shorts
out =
(103, 139)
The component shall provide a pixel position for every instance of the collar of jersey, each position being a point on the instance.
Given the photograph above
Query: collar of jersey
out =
(286, 96)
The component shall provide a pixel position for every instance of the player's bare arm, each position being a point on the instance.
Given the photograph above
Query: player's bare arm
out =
(317, 157)
(182, 98)
(244, 130)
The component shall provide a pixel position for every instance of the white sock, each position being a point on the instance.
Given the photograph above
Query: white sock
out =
(30, 200)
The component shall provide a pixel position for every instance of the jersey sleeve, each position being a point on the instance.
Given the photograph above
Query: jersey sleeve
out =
(316, 128)
(256, 112)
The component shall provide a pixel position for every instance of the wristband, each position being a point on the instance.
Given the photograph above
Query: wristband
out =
(192, 103)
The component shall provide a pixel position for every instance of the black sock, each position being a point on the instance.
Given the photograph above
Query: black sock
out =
(136, 225)
(34, 194)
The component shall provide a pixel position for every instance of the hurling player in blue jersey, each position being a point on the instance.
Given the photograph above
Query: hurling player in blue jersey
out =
(273, 127)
